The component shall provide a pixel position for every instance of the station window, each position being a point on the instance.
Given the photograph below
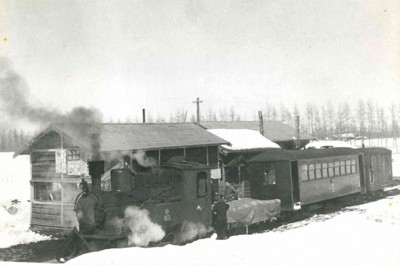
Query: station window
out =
(337, 168)
(318, 174)
(343, 167)
(353, 166)
(201, 184)
(49, 192)
(311, 171)
(324, 170)
(304, 172)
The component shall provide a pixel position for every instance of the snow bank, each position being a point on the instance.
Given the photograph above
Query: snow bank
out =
(14, 177)
(14, 228)
(365, 235)
(241, 139)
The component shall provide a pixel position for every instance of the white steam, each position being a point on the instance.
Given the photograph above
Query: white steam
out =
(143, 230)
(140, 157)
(190, 231)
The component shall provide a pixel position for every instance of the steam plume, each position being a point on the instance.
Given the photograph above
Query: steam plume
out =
(189, 231)
(144, 161)
(143, 230)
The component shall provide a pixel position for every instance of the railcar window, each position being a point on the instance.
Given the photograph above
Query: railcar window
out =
(343, 167)
(353, 166)
(348, 166)
(318, 174)
(49, 192)
(304, 172)
(337, 168)
(330, 169)
(324, 170)
(201, 184)
(311, 172)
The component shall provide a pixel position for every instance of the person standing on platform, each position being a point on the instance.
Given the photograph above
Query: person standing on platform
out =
(220, 220)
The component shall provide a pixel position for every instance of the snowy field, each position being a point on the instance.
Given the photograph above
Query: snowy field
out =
(366, 235)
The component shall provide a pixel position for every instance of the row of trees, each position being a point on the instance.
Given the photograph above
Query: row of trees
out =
(320, 121)
(12, 139)
(330, 120)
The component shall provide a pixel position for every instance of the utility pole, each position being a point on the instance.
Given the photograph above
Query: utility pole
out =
(198, 101)
(261, 122)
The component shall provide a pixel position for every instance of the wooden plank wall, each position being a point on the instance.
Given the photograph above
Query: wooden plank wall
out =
(44, 166)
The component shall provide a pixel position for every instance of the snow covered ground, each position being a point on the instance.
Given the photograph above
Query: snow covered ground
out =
(366, 235)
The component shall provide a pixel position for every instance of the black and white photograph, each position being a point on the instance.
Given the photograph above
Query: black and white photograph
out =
(200, 133)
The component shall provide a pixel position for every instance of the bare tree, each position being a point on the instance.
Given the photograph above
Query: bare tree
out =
(370, 117)
(232, 113)
(211, 115)
(223, 114)
(330, 111)
(361, 116)
(395, 129)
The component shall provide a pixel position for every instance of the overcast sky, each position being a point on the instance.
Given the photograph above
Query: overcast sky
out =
(122, 56)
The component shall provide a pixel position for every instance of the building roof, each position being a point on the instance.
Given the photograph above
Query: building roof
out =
(243, 140)
(286, 155)
(275, 131)
(134, 136)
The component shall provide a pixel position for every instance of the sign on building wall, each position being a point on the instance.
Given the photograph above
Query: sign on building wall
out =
(61, 161)
(216, 173)
(77, 163)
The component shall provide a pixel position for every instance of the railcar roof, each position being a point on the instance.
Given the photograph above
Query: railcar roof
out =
(285, 155)
(374, 150)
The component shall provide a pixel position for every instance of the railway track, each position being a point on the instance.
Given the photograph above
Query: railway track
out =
(45, 251)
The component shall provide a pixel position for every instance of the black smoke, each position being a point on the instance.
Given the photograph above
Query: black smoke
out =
(16, 104)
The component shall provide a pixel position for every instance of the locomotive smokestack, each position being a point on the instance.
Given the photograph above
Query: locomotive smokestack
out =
(96, 170)
(144, 115)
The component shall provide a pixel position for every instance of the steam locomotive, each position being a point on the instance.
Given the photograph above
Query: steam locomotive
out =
(177, 194)
(170, 196)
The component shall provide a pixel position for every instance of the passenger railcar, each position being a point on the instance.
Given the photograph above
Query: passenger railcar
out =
(308, 176)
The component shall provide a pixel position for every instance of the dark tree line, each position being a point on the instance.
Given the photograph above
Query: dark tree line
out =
(12, 139)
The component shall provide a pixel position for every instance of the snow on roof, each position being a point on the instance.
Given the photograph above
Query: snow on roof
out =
(328, 144)
(243, 139)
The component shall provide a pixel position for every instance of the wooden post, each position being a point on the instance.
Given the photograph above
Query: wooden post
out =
(261, 122)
